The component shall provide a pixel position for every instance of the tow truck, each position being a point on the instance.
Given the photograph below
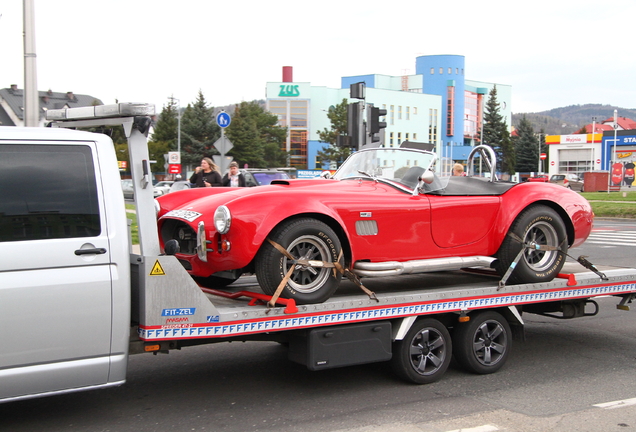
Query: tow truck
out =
(77, 298)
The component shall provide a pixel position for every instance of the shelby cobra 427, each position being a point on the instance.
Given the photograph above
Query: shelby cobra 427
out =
(384, 212)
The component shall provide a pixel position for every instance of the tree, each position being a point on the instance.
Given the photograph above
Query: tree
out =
(338, 118)
(256, 137)
(497, 136)
(165, 129)
(199, 131)
(526, 147)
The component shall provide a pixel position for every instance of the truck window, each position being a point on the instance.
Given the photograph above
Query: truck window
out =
(48, 191)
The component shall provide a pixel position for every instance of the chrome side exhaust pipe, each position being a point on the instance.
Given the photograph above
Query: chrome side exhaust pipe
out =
(394, 268)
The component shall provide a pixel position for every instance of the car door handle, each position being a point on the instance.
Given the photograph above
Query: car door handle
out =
(92, 251)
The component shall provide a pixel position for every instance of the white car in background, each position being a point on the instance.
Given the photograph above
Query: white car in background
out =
(161, 188)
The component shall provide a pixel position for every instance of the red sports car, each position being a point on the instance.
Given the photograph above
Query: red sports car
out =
(385, 212)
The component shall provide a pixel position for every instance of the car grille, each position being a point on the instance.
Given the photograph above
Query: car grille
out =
(182, 233)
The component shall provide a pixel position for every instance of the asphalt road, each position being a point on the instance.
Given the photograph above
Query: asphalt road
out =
(552, 382)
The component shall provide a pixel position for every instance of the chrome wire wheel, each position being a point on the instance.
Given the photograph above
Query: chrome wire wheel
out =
(307, 279)
(541, 233)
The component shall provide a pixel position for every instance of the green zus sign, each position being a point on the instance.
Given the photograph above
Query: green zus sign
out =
(289, 91)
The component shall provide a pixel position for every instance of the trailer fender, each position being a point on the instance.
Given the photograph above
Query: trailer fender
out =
(402, 327)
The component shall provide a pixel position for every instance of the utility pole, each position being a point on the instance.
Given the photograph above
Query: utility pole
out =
(31, 100)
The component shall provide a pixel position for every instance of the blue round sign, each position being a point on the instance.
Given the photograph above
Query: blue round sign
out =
(223, 119)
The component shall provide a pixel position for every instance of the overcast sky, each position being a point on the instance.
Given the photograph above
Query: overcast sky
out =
(553, 53)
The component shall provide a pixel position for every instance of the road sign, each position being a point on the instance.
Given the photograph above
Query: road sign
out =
(223, 162)
(543, 156)
(223, 119)
(552, 163)
(174, 157)
(174, 169)
(598, 161)
(223, 145)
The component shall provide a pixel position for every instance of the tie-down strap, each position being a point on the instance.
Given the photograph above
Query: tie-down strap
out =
(336, 266)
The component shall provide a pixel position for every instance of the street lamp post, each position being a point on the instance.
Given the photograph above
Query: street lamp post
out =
(612, 159)
(593, 140)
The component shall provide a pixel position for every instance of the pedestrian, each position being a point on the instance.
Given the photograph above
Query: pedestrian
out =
(458, 170)
(206, 175)
(234, 178)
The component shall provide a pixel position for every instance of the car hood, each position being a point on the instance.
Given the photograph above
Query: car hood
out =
(206, 199)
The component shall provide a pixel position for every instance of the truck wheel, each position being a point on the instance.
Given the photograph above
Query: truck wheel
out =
(482, 344)
(307, 239)
(424, 354)
(544, 226)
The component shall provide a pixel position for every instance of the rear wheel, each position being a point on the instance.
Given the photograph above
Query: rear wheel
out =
(544, 227)
(304, 239)
(482, 344)
(424, 354)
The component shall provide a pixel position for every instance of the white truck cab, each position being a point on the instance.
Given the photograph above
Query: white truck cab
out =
(64, 266)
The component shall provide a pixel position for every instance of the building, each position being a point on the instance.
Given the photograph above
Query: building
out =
(579, 153)
(12, 104)
(436, 105)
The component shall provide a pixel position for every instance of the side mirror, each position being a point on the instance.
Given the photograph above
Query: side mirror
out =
(427, 177)
(325, 175)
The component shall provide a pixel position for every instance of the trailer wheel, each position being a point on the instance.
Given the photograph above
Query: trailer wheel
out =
(424, 354)
(482, 344)
(542, 225)
(307, 239)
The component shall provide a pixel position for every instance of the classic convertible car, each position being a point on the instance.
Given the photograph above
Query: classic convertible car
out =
(384, 212)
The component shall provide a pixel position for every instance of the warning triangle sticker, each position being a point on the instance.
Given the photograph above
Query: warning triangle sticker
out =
(157, 270)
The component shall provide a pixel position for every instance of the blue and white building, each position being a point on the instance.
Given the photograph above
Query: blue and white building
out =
(436, 105)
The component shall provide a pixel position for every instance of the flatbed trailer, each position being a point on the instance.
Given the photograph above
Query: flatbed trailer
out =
(352, 328)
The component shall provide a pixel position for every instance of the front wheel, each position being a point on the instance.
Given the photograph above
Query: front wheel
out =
(482, 344)
(424, 354)
(542, 226)
(304, 239)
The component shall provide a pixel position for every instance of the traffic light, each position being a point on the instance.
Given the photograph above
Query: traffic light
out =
(374, 122)
(354, 120)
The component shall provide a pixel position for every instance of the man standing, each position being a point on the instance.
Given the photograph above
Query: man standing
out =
(234, 178)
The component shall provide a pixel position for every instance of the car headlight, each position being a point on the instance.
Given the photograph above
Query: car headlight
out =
(222, 219)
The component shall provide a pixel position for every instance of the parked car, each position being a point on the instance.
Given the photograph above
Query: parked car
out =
(570, 181)
(541, 178)
(385, 212)
(127, 189)
(263, 177)
(180, 185)
(162, 188)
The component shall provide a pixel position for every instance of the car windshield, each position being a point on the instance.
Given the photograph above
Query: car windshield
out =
(265, 178)
(403, 166)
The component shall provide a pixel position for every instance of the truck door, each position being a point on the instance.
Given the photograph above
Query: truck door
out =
(55, 275)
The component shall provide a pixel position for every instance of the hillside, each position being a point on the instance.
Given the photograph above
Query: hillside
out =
(567, 120)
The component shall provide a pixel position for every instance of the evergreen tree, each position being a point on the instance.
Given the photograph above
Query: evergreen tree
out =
(338, 118)
(199, 132)
(526, 147)
(256, 137)
(497, 136)
(165, 129)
